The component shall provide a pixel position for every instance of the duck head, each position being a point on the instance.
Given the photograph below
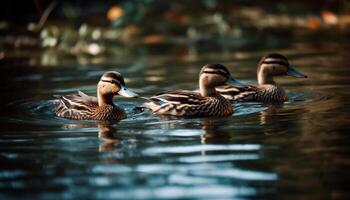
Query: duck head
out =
(274, 64)
(213, 75)
(111, 84)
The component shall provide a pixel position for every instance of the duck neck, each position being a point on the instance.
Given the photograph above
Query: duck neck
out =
(265, 79)
(104, 99)
(206, 89)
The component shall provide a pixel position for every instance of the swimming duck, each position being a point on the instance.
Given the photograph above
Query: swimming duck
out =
(83, 107)
(206, 102)
(267, 91)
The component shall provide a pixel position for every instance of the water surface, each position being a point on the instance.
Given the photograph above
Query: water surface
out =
(293, 151)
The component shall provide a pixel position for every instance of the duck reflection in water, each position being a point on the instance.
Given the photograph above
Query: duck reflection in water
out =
(275, 119)
(268, 116)
(213, 132)
(107, 135)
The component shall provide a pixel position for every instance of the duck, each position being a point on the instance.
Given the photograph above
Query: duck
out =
(81, 106)
(267, 91)
(205, 103)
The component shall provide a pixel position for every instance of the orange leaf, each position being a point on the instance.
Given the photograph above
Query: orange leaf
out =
(114, 13)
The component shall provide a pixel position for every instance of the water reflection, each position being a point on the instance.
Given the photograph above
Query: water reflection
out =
(108, 135)
(271, 121)
(259, 152)
(213, 131)
(276, 119)
(268, 116)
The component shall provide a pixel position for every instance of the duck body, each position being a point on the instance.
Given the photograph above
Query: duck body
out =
(84, 107)
(207, 102)
(267, 90)
(185, 103)
(267, 93)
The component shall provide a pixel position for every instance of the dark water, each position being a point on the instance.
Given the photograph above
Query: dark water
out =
(296, 151)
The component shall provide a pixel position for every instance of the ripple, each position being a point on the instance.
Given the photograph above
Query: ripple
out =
(179, 192)
(217, 158)
(115, 169)
(199, 148)
(248, 108)
(41, 112)
(176, 132)
(239, 174)
(29, 111)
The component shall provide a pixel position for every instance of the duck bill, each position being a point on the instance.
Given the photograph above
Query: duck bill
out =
(233, 81)
(294, 72)
(125, 92)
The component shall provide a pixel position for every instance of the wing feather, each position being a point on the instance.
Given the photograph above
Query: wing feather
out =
(235, 93)
(72, 106)
(177, 97)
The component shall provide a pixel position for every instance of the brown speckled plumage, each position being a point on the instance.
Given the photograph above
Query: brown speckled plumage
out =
(204, 103)
(267, 91)
(83, 107)
(186, 103)
(80, 107)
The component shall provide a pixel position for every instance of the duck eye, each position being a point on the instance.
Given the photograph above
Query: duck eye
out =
(114, 82)
(111, 81)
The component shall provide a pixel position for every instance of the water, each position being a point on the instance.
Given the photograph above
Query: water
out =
(297, 150)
